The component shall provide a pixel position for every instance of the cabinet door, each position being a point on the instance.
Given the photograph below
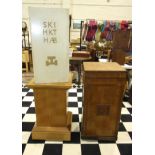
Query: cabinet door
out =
(102, 106)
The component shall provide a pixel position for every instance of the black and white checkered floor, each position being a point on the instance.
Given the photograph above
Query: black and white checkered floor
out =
(77, 146)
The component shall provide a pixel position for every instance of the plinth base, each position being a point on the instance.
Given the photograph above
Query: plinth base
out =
(103, 138)
(53, 133)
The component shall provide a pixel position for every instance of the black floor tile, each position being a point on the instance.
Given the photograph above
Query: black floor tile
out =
(72, 104)
(106, 141)
(126, 118)
(75, 138)
(121, 127)
(72, 94)
(80, 110)
(74, 86)
(79, 90)
(89, 149)
(29, 94)
(23, 147)
(25, 89)
(79, 99)
(52, 149)
(23, 115)
(125, 149)
(123, 105)
(130, 133)
(31, 110)
(75, 118)
(130, 110)
(26, 103)
(27, 126)
(78, 86)
(35, 141)
(125, 98)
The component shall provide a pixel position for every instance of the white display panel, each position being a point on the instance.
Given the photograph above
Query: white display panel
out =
(50, 44)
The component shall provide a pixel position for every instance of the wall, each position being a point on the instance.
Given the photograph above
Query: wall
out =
(85, 9)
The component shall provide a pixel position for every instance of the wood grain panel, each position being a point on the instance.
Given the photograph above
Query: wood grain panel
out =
(103, 94)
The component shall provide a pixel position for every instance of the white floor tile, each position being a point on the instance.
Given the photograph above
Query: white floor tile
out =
(127, 104)
(72, 99)
(29, 118)
(53, 142)
(33, 149)
(75, 127)
(79, 104)
(80, 117)
(124, 111)
(32, 104)
(72, 90)
(79, 94)
(25, 136)
(123, 137)
(28, 98)
(71, 149)
(128, 126)
(24, 110)
(24, 93)
(31, 90)
(73, 110)
(109, 149)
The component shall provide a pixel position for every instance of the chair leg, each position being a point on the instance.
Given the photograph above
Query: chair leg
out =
(27, 68)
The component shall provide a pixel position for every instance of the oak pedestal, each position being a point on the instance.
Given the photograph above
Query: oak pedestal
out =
(53, 122)
(103, 91)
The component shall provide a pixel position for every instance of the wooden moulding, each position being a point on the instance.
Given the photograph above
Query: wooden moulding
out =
(64, 85)
(104, 138)
(53, 133)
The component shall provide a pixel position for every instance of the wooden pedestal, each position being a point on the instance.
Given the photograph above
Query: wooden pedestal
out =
(53, 122)
(103, 91)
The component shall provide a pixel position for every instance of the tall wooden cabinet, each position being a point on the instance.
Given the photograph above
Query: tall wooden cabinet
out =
(104, 85)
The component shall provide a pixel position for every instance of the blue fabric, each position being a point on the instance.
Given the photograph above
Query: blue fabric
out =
(104, 25)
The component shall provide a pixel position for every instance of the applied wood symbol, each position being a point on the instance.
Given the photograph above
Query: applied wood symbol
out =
(51, 60)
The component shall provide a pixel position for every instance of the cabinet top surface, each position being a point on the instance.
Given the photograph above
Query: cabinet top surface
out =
(68, 84)
(100, 66)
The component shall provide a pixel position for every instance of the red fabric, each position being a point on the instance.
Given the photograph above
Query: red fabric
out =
(124, 25)
(92, 27)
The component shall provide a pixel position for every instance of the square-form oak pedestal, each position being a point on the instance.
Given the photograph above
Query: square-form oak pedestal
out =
(53, 122)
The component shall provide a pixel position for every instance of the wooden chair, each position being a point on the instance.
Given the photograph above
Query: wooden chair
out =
(25, 60)
(118, 55)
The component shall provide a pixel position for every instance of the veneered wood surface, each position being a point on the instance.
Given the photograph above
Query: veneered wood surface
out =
(103, 92)
(100, 67)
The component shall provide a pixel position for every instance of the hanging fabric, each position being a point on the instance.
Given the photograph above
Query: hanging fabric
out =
(93, 31)
(109, 36)
(105, 29)
(92, 27)
(112, 26)
(98, 32)
(124, 25)
(117, 25)
(104, 25)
